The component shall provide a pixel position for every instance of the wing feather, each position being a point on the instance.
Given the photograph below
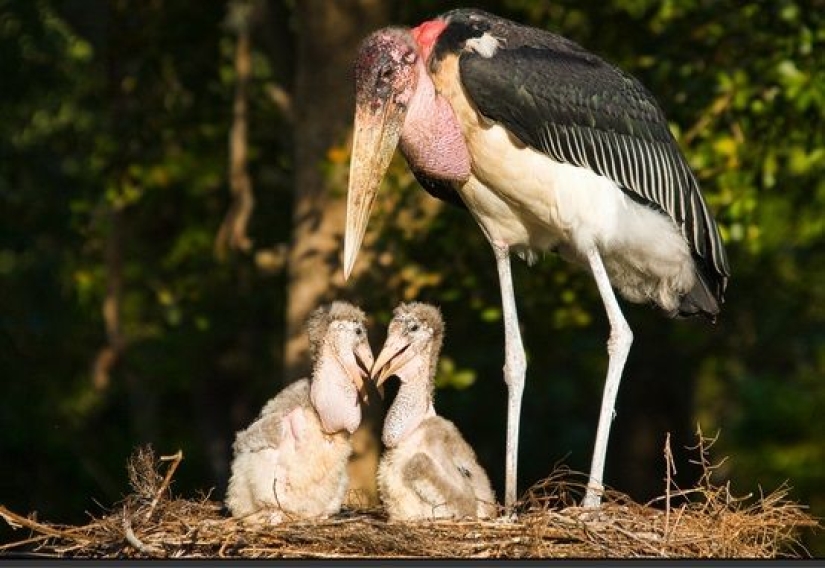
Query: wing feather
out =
(578, 109)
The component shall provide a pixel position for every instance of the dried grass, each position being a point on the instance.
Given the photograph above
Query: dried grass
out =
(709, 522)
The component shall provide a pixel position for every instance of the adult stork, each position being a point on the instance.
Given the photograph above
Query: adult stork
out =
(550, 148)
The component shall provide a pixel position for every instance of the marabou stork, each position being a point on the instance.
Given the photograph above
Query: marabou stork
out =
(428, 470)
(550, 148)
(292, 461)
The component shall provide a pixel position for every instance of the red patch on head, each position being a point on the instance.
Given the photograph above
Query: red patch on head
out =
(426, 34)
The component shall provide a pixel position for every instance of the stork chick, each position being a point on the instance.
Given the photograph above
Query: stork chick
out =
(428, 470)
(292, 461)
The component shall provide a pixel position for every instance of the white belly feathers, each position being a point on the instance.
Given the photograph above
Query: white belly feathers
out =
(524, 199)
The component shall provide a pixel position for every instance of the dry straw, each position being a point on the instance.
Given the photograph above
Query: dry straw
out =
(708, 522)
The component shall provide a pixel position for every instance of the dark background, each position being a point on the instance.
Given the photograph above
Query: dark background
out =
(146, 297)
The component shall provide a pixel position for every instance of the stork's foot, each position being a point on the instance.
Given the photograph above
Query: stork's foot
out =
(593, 497)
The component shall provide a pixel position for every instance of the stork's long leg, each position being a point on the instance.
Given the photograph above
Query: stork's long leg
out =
(515, 365)
(618, 346)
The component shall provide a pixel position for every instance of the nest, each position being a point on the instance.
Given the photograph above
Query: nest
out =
(709, 523)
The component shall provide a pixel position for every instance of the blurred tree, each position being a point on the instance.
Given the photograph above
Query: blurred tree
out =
(233, 232)
(328, 34)
(116, 174)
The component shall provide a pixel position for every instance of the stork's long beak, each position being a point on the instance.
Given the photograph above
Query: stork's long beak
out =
(394, 356)
(378, 124)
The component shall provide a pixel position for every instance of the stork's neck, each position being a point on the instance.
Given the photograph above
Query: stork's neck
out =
(431, 138)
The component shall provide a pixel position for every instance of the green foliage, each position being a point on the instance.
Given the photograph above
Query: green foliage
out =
(759, 153)
(114, 129)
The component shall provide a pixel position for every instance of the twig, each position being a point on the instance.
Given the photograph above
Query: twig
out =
(175, 459)
(132, 538)
(669, 466)
(16, 521)
(716, 108)
(681, 511)
(20, 543)
(226, 542)
(638, 538)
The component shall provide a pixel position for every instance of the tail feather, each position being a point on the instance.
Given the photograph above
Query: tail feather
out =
(704, 298)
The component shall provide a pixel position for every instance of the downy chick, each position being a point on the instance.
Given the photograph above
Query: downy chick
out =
(428, 470)
(292, 461)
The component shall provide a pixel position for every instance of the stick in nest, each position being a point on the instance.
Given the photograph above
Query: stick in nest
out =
(132, 539)
(175, 459)
(670, 468)
(711, 524)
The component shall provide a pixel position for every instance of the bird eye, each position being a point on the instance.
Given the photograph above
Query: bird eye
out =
(359, 331)
(386, 74)
(464, 471)
(414, 327)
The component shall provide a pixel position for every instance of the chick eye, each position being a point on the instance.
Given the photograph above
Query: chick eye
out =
(414, 327)
(359, 331)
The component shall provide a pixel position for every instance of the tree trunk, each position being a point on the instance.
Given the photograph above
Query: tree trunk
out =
(233, 231)
(120, 56)
(328, 35)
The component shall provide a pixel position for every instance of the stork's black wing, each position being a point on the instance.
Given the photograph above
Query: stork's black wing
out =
(578, 109)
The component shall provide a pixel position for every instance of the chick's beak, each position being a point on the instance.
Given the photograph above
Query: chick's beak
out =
(394, 356)
(358, 367)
